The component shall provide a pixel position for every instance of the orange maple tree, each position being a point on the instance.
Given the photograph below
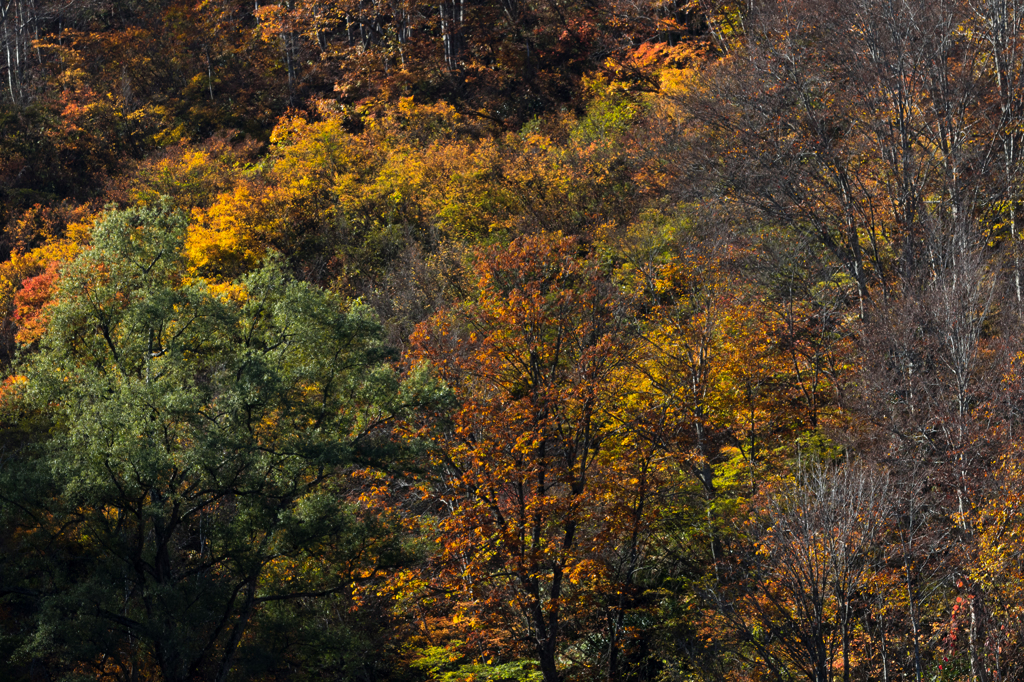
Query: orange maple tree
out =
(530, 360)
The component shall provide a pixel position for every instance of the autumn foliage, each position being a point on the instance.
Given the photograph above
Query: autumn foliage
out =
(511, 340)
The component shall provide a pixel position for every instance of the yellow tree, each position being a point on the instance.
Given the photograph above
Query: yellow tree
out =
(704, 359)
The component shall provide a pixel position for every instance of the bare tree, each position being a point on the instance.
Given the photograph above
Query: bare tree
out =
(813, 555)
(931, 390)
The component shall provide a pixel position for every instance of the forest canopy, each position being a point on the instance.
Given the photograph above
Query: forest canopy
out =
(494, 340)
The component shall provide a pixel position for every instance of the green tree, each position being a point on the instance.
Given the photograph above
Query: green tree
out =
(197, 457)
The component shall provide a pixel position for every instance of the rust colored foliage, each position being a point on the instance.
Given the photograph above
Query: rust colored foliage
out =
(530, 359)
